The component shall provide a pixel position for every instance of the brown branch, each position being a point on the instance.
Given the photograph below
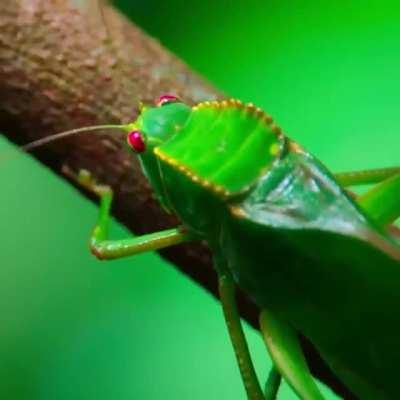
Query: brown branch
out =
(59, 71)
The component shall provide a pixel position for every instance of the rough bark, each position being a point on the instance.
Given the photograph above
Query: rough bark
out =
(59, 70)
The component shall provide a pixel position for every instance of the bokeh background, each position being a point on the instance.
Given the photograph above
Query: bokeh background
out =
(72, 328)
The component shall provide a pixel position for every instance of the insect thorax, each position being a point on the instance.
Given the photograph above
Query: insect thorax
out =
(218, 155)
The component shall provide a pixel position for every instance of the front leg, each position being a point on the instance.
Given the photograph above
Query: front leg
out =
(106, 249)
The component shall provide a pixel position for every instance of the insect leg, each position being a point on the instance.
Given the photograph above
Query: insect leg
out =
(227, 297)
(106, 249)
(382, 201)
(272, 384)
(284, 348)
(365, 177)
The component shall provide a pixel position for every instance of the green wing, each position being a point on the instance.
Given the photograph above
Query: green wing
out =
(325, 267)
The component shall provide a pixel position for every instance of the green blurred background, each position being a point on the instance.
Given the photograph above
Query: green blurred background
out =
(73, 328)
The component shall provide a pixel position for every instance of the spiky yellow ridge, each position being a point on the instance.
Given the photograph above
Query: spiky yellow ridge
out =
(275, 149)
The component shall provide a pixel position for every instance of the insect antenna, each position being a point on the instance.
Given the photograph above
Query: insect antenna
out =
(61, 135)
(100, 7)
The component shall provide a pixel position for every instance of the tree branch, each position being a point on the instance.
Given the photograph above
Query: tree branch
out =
(59, 71)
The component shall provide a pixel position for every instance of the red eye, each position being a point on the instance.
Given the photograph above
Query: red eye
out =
(136, 141)
(166, 99)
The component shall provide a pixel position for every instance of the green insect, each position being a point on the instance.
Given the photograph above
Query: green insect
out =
(282, 228)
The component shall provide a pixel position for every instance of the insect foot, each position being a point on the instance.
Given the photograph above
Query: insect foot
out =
(85, 179)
